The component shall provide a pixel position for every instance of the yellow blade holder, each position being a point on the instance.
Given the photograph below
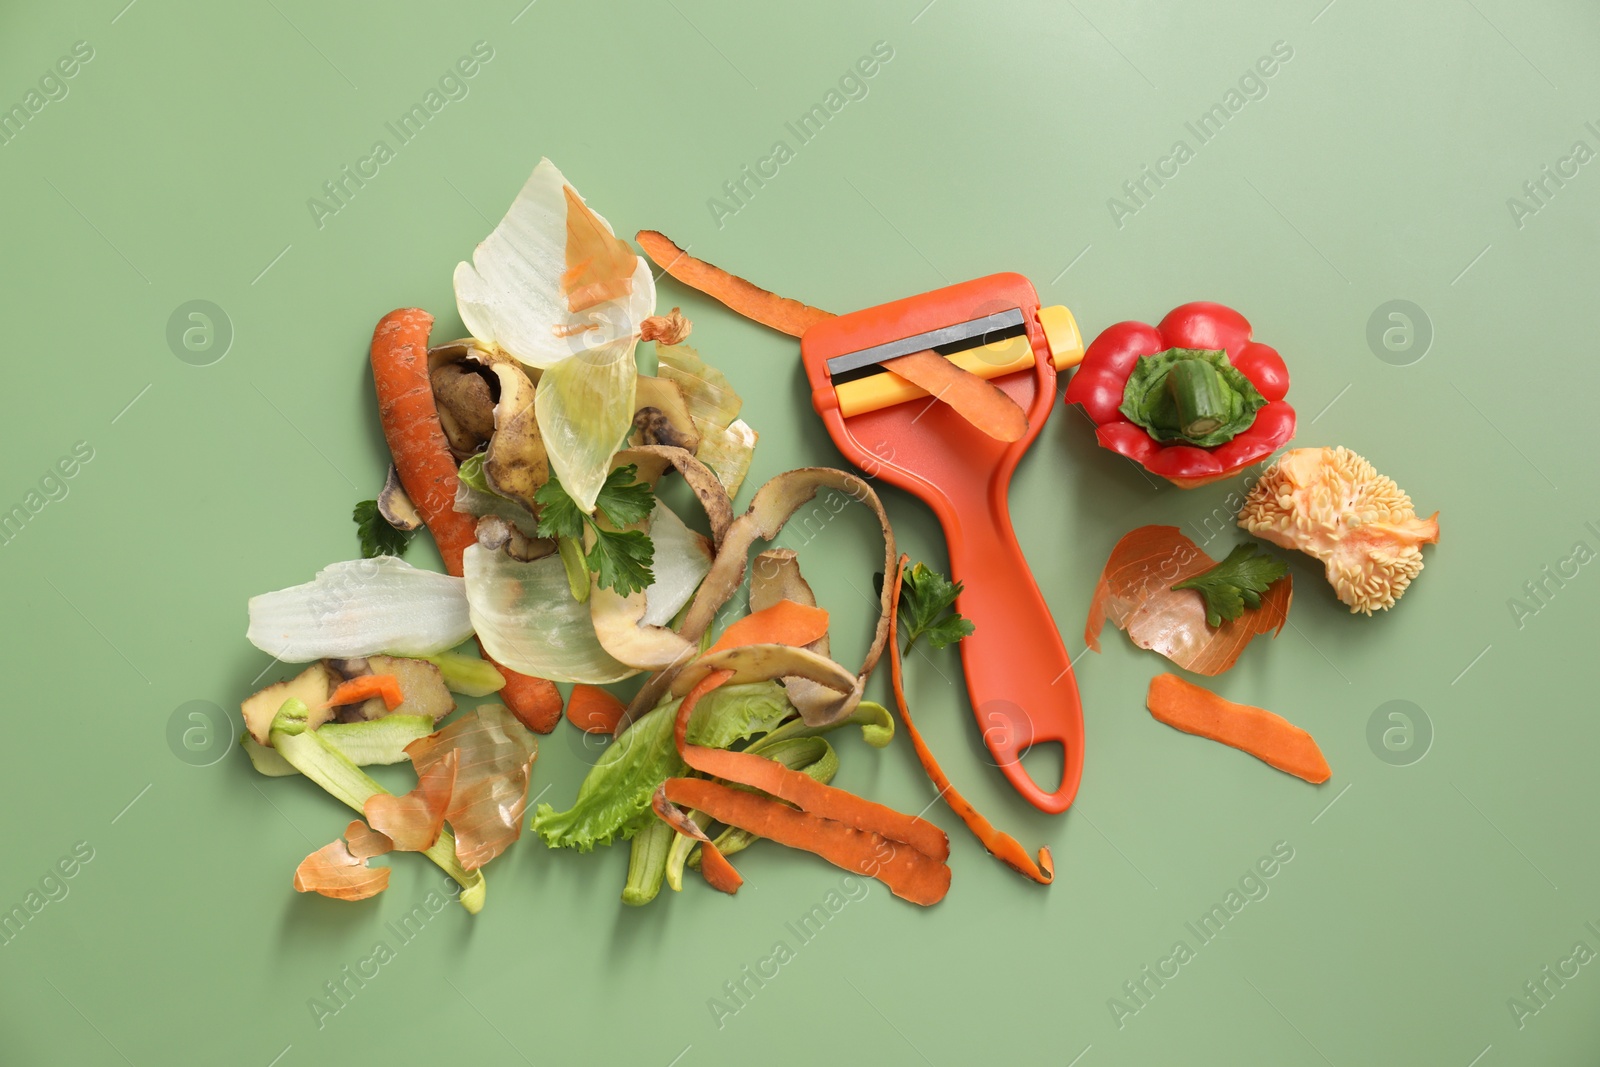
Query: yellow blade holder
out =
(1005, 356)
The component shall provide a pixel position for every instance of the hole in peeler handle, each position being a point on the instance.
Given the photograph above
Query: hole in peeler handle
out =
(1010, 740)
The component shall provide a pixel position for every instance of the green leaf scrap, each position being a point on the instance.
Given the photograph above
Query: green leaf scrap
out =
(619, 559)
(927, 608)
(378, 538)
(1236, 583)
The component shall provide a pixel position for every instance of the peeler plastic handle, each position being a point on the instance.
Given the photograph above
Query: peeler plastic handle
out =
(1019, 676)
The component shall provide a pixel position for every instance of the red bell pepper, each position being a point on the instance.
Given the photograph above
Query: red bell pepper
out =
(1101, 385)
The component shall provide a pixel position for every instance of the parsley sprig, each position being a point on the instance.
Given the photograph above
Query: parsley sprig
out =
(378, 538)
(927, 608)
(620, 559)
(1236, 583)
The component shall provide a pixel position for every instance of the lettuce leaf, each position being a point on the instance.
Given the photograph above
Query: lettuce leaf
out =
(613, 803)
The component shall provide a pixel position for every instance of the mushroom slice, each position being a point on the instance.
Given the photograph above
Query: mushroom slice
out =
(395, 507)
(661, 415)
(497, 532)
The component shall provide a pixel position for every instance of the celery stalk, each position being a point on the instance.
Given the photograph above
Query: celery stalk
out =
(376, 741)
(647, 863)
(324, 764)
(467, 675)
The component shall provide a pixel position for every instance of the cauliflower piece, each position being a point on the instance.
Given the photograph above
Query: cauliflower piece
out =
(1331, 504)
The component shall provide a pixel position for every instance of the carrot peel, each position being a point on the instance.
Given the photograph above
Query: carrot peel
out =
(978, 400)
(1270, 738)
(1001, 845)
(904, 852)
(788, 622)
(366, 687)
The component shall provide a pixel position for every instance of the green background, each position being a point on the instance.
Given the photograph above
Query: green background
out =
(1376, 167)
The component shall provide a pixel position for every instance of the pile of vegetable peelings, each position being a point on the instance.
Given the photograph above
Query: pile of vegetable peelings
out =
(536, 455)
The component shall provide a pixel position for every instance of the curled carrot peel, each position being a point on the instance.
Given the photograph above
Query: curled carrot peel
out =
(975, 399)
(427, 471)
(365, 687)
(788, 622)
(594, 710)
(904, 852)
(714, 866)
(800, 788)
(979, 401)
(1001, 845)
(1270, 738)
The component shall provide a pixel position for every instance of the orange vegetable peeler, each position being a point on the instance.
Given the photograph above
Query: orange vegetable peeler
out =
(1019, 677)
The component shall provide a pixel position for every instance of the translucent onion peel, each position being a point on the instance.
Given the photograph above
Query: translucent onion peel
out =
(348, 784)
(511, 295)
(334, 872)
(585, 408)
(726, 442)
(1135, 592)
(526, 618)
(682, 559)
(495, 755)
(360, 608)
(365, 842)
(413, 821)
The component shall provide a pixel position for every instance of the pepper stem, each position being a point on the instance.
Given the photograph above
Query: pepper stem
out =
(1199, 396)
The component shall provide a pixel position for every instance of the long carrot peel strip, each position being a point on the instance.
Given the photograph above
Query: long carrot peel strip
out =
(975, 399)
(788, 622)
(800, 788)
(908, 872)
(753, 302)
(979, 401)
(904, 852)
(714, 866)
(427, 471)
(365, 687)
(1001, 845)
(594, 710)
(1270, 738)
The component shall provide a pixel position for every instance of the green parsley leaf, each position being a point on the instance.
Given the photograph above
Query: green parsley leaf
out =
(621, 560)
(378, 538)
(927, 600)
(558, 513)
(1236, 583)
(622, 500)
